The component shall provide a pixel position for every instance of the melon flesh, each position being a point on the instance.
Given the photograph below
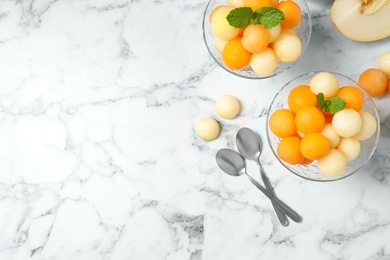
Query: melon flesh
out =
(362, 24)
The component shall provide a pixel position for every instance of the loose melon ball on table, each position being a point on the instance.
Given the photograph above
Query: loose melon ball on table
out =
(309, 120)
(368, 127)
(220, 25)
(264, 63)
(333, 163)
(289, 150)
(287, 47)
(373, 81)
(347, 122)
(326, 83)
(314, 146)
(227, 107)
(383, 63)
(282, 123)
(350, 148)
(330, 133)
(207, 128)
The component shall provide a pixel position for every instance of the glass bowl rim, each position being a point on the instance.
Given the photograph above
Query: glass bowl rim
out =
(235, 72)
(371, 102)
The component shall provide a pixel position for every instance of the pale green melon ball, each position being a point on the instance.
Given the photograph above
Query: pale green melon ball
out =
(347, 122)
(333, 163)
(287, 47)
(264, 63)
(326, 83)
(220, 25)
(207, 128)
(227, 107)
(350, 148)
(331, 134)
(368, 127)
(383, 63)
(274, 32)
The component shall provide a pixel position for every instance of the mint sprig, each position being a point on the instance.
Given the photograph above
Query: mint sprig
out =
(267, 16)
(332, 105)
(241, 17)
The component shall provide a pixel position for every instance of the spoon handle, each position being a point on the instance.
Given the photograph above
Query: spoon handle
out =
(281, 215)
(280, 204)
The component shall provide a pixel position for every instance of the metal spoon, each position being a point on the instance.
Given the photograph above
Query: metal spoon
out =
(249, 146)
(234, 164)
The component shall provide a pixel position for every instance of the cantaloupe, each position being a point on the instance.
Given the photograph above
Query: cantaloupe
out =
(362, 20)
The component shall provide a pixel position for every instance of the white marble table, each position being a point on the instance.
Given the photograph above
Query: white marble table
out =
(98, 157)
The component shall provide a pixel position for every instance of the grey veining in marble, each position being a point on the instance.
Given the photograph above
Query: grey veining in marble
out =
(98, 156)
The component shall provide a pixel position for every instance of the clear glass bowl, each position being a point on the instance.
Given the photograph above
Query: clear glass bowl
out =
(303, 30)
(311, 172)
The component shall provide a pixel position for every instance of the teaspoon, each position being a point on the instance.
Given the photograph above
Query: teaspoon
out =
(233, 164)
(249, 146)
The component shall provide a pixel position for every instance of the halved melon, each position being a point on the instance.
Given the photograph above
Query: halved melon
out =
(362, 20)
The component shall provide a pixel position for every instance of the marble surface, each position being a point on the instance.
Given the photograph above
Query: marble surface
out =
(98, 156)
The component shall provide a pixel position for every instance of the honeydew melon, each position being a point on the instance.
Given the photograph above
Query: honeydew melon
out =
(362, 20)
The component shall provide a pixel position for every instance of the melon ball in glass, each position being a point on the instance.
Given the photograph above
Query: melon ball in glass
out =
(368, 127)
(264, 63)
(350, 148)
(347, 122)
(325, 83)
(288, 46)
(333, 163)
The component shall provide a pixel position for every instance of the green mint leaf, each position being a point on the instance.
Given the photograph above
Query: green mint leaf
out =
(336, 104)
(267, 16)
(327, 105)
(240, 17)
(320, 100)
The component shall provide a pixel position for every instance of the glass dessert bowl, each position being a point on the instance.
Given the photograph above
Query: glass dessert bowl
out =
(355, 144)
(285, 46)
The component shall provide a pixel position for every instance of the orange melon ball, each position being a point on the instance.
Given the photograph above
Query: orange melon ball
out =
(257, 4)
(255, 38)
(299, 97)
(309, 120)
(281, 123)
(292, 14)
(352, 96)
(234, 55)
(373, 81)
(289, 150)
(314, 146)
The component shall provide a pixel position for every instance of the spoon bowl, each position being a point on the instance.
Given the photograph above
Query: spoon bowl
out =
(231, 162)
